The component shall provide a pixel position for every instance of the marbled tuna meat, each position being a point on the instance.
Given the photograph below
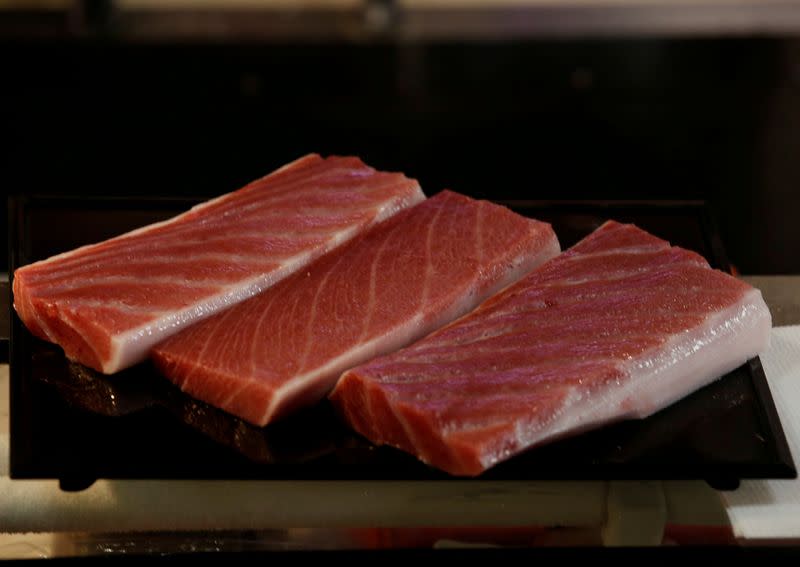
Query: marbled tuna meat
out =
(617, 327)
(107, 304)
(285, 348)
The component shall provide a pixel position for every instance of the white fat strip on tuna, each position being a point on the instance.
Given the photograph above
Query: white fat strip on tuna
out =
(658, 378)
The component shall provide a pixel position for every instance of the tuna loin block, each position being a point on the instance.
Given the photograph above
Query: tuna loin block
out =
(286, 347)
(619, 326)
(107, 304)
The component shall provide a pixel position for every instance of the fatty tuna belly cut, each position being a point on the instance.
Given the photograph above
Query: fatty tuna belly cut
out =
(286, 347)
(107, 304)
(619, 326)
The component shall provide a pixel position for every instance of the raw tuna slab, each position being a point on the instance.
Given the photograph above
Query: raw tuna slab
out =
(286, 347)
(619, 326)
(107, 304)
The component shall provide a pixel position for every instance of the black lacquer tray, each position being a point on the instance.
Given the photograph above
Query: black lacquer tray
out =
(72, 424)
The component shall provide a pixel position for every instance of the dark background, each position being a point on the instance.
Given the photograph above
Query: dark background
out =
(667, 116)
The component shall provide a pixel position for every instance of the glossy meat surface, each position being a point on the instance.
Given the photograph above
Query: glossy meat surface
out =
(411, 274)
(619, 326)
(108, 303)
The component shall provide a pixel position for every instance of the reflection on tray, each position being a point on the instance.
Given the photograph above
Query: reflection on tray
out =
(316, 432)
(305, 436)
